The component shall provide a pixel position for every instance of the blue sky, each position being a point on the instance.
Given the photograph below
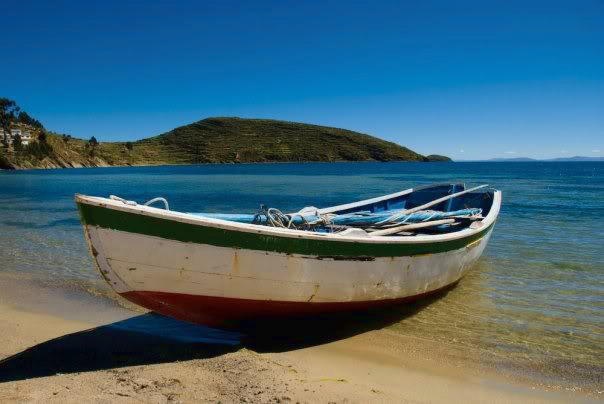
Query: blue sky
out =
(467, 79)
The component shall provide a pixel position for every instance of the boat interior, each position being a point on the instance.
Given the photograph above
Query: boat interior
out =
(431, 209)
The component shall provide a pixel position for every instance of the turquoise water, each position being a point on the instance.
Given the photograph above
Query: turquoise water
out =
(535, 300)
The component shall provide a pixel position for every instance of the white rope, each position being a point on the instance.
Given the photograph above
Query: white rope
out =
(122, 200)
(158, 199)
(133, 203)
(276, 217)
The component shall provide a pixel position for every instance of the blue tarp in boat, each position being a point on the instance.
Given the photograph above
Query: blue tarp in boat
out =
(360, 219)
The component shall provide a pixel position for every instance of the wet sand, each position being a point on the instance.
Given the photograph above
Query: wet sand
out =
(96, 351)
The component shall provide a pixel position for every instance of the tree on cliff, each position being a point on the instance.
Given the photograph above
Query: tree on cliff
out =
(24, 117)
(8, 114)
(92, 143)
(17, 144)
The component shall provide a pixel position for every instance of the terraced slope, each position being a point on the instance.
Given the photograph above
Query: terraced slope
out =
(216, 140)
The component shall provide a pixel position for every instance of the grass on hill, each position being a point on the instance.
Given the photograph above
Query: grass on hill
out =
(216, 140)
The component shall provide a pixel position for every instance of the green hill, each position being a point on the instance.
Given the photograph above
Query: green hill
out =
(213, 140)
(220, 140)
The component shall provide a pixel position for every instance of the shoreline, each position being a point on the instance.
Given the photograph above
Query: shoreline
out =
(371, 365)
(225, 164)
(290, 162)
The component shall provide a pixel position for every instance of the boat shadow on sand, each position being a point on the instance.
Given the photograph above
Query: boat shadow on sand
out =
(152, 339)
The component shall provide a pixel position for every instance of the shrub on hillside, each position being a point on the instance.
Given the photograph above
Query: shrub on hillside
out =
(39, 149)
(42, 137)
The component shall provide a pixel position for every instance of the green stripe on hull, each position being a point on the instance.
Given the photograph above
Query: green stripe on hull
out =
(193, 233)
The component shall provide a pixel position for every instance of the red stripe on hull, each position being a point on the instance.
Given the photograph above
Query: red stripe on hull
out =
(217, 311)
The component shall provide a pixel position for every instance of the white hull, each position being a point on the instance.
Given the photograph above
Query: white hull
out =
(134, 262)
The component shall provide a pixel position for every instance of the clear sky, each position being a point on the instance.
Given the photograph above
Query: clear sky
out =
(468, 79)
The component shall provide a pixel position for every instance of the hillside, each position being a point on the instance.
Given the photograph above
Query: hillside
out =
(219, 140)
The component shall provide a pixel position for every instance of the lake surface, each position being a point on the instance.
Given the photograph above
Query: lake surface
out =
(534, 302)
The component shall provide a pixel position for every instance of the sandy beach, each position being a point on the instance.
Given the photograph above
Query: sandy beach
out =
(64, 348)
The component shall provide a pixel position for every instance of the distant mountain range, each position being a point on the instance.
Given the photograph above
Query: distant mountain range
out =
(525, 159)
(512, 159)
(578, 158)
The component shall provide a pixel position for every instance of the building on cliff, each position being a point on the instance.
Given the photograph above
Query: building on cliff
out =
(26, 137)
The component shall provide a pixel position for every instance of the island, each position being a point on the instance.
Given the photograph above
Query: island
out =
(26, 144)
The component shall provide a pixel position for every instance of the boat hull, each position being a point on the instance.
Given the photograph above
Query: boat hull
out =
(215, 285)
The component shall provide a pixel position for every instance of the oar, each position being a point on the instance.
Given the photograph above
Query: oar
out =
(394, 230)
(444, 198)
(429, 204)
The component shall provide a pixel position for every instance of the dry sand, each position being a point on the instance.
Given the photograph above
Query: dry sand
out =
(73, 359)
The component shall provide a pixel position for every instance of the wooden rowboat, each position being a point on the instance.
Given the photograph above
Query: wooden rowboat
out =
(213, 271)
